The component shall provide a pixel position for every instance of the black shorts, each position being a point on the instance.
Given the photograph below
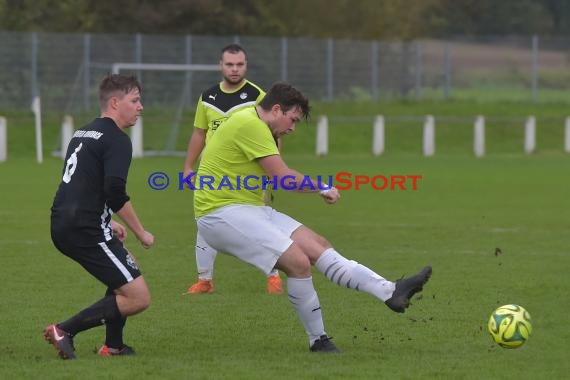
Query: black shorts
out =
(109, 262)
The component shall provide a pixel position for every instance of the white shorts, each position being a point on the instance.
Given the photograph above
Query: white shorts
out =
(257, 235)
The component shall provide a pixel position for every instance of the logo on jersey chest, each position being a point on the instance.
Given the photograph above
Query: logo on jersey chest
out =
(243, 95)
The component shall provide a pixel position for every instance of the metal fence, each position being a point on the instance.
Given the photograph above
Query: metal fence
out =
(64, 69)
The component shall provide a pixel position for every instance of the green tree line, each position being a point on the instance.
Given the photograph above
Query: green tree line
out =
(363, 19)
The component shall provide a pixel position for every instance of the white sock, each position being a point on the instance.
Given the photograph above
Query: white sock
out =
(304, 299)
(274, 272)
(205, 257)
(353, 275)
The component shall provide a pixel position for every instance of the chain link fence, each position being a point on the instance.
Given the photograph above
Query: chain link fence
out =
(64, 69)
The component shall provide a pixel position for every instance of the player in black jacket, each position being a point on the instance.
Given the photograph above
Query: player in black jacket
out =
(93, 187)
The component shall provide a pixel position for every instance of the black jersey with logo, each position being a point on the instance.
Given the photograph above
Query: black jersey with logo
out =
(98, 150)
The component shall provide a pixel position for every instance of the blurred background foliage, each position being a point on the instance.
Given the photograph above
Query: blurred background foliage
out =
(359, 19)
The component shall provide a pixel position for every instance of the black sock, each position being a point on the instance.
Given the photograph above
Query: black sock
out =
(114, 333)
(114, 329)
(103, 311)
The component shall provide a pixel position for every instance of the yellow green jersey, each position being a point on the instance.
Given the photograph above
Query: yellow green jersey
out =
(216, 105)
(229, 172)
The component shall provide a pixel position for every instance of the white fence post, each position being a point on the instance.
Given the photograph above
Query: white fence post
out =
(567, 135)
(37, 110)
(137, 138)
(378, 136)
(530, 135)
(322, 136)
(66, 134)
(429, 136)
(3, 139)
(479, 138)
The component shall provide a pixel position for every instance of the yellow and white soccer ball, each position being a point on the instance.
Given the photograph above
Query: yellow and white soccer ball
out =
(510, 326)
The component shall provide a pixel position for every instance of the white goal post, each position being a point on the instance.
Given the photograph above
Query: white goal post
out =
(3, 139)
(137, 129)
(117, 67)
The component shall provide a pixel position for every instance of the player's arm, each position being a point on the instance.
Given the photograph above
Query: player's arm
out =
(197, 140)
(275, 167)
(195, 147)
(128, 215)
(117, 199)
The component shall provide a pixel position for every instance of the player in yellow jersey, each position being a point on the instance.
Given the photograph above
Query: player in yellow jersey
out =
(215, 105)
(232, 216)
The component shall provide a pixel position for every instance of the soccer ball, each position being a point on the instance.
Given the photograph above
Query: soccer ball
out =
(510, 326)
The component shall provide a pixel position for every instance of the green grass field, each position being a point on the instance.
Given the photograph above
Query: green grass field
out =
(464, 208)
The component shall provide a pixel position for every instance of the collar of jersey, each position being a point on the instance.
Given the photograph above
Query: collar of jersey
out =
(236, 90)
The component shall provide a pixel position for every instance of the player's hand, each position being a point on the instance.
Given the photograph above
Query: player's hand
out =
(146, 239)
(331, 195)
(119, 231)
(187, 172)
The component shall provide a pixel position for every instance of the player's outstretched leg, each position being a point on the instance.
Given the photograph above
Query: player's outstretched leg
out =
(353, 275)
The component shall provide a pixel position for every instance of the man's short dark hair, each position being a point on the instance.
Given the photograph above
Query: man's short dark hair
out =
(287, 97)
(233, 49)
(113, 83)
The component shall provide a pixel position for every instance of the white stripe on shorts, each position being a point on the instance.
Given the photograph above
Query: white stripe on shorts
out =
(117, 262)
